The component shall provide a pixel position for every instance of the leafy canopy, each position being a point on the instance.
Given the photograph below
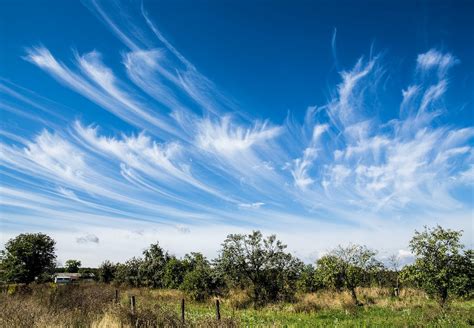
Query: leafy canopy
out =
(441, 267)
(259, 265)
(347, 267)
(28, 257)
(72, 265)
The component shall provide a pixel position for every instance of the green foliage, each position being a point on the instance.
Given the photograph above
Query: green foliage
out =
(441, 268)
(106, 272)
(259, 265)
(89, 273)
(152, 267)
(28, 257)
(328, 272)
(128, 273)
(72, 265)
(307, 282)
(174, 272)
(409, 276)
(198, 282)
(348, 267)
(260, 269)
(463, 282)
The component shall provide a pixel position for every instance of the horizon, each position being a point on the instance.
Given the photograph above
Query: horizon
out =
(183, 122)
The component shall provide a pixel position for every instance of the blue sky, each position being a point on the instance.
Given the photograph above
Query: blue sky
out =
(123, 123)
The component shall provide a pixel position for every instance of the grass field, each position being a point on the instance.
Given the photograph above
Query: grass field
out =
(92, 305)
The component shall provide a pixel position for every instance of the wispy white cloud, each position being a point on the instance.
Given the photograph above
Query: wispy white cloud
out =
(255, 205)
(346, 108)
(381, 168)
(301, 166)
(378, 168)
(436, 60)
(164, 163)
(227, 139)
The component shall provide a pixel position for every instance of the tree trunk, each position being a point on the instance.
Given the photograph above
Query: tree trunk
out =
(397, 287)
(354, 296)
(443, 297)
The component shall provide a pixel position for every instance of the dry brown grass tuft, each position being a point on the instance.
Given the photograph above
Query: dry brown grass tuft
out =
(54, 306)
(92, 305)
(380, 297)
(238, 299)
(324, 299)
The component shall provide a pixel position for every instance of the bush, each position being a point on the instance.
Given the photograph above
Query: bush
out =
(260, 266)
(174, 273)
(106, 272)
(198, 282)
(347, 267)
(442, 269)
(152, 267)
(307, 282)
(128, 273)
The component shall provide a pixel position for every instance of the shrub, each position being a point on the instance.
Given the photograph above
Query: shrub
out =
(441, 268)
(260, 266)
(198, 282)
(347, 267)
(106, 272)
(174, 273)
(128, 273)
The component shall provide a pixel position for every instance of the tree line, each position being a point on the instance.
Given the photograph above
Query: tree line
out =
(263, 268)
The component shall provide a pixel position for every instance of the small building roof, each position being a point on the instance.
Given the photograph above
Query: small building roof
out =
(68, 275)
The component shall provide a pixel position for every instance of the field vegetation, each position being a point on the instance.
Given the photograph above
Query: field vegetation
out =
(93, 305)
(256, 282)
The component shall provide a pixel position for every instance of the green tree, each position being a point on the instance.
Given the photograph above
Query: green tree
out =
(307, 282)
(128, 273)
(328, 272)
(28, 257)
(409, 277)
(174, 272)
(152, 268)
(348, 267)
(198, 281)
(259, 265)
(441, 267)
(106, 272)
(72, 265)
(463, 284)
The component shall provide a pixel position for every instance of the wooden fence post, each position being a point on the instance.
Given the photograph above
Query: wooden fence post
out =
(218, 310)
(182, 310)
(132, 304)
(116, 296)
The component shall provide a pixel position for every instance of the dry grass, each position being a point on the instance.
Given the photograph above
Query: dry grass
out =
(53, 306)
(238, 299)
(92, 305)
(380, 297)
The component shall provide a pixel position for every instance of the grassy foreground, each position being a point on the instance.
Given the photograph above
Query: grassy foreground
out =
(92, 305)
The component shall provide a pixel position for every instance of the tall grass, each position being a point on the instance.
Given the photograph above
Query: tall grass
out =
(93, 305)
